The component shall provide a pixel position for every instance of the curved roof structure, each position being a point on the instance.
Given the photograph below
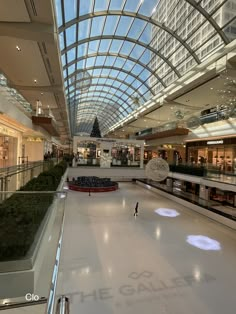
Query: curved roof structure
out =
(117, 54)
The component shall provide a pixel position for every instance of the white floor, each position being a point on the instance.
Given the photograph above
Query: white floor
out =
(113, 262)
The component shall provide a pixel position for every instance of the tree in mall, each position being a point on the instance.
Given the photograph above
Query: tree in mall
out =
(96, 130)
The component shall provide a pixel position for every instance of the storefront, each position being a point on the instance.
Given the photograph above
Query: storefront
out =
(32, 149)
(108, 152)
(173, 154)
(10, 146)
(219, 154)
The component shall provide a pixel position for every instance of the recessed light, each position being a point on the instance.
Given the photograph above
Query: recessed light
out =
(41, 93)
(212, 87)
(18, 48)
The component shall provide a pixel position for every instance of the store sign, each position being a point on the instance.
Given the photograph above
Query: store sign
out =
(107, 141)
(6, 131)
(215, 142)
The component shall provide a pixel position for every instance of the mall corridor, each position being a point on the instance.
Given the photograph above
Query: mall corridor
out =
(167, 260)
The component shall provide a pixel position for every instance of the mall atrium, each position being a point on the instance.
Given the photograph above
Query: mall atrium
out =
(117, 156)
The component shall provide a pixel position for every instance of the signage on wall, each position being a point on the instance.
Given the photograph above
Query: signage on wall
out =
(107, 141)
(6, 131)
(215, 142)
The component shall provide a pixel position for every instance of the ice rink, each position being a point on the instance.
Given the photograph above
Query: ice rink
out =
(169, 259)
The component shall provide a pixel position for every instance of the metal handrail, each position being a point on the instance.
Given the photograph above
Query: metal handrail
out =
(16, 305)
(15, 169)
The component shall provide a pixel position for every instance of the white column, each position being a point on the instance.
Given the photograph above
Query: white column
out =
(75, 140)
(19, 147)
(105, 160)
(141, 155)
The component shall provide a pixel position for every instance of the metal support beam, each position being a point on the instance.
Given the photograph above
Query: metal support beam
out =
(106, 77)
(123, 38)
(209, 18)
(132, 15)
(119, 55)
(112, 68)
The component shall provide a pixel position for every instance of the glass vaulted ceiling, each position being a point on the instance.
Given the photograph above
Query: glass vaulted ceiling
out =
(117, 54)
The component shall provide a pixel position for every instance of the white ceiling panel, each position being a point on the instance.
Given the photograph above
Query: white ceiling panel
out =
(22, 67)
(13, 11)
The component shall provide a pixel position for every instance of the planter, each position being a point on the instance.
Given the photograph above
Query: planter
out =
(18, 277)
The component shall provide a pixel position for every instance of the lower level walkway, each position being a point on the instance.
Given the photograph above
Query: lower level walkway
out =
(169, 259)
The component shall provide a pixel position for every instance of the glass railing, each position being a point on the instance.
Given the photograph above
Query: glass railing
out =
(13, 178)
(225, 210)
(30, 229)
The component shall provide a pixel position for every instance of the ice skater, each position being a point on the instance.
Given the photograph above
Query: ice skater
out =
(136, 210)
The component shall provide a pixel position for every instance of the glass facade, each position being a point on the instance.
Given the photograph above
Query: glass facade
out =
(117, 54)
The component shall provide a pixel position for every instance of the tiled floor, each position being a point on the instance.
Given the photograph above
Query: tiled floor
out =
(115, 263)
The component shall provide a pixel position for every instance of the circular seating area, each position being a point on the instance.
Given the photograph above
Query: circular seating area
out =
(92, 184)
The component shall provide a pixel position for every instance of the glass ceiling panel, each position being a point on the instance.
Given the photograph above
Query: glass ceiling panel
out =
(84, 8)
(211, 6)
(116, 5)
(61, 41)
(58, 12)
(140, 52)
(127, 47)
(111, 25)
(71, 55)
(84, 29)
(101, 5)
(97, 26)
(82, 50)
(72, 13)
(137, 52)
(93, 46)
(116, 45)
(137, 29)
(124, 25)
(131, 5)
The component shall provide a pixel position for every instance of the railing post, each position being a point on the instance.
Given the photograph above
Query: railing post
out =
(31, 173)
(63, 306)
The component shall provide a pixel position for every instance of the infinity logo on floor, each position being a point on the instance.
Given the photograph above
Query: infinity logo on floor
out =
(145, 273)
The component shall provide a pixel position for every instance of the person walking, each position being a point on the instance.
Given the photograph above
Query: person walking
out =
(136, 210)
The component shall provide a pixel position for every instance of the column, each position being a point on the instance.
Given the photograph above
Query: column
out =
(141, 155)
(75, 138)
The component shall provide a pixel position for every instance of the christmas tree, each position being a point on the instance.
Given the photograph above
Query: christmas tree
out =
(96, 130)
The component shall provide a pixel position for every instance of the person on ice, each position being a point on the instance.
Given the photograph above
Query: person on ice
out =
(136, 210)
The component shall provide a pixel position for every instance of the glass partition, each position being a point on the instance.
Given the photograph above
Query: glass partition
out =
(29, 234)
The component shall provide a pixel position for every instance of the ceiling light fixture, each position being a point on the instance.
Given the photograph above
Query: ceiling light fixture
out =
(35, 81)
(18, 48)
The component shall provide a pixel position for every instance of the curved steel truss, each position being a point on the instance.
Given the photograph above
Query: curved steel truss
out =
(125, 51)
